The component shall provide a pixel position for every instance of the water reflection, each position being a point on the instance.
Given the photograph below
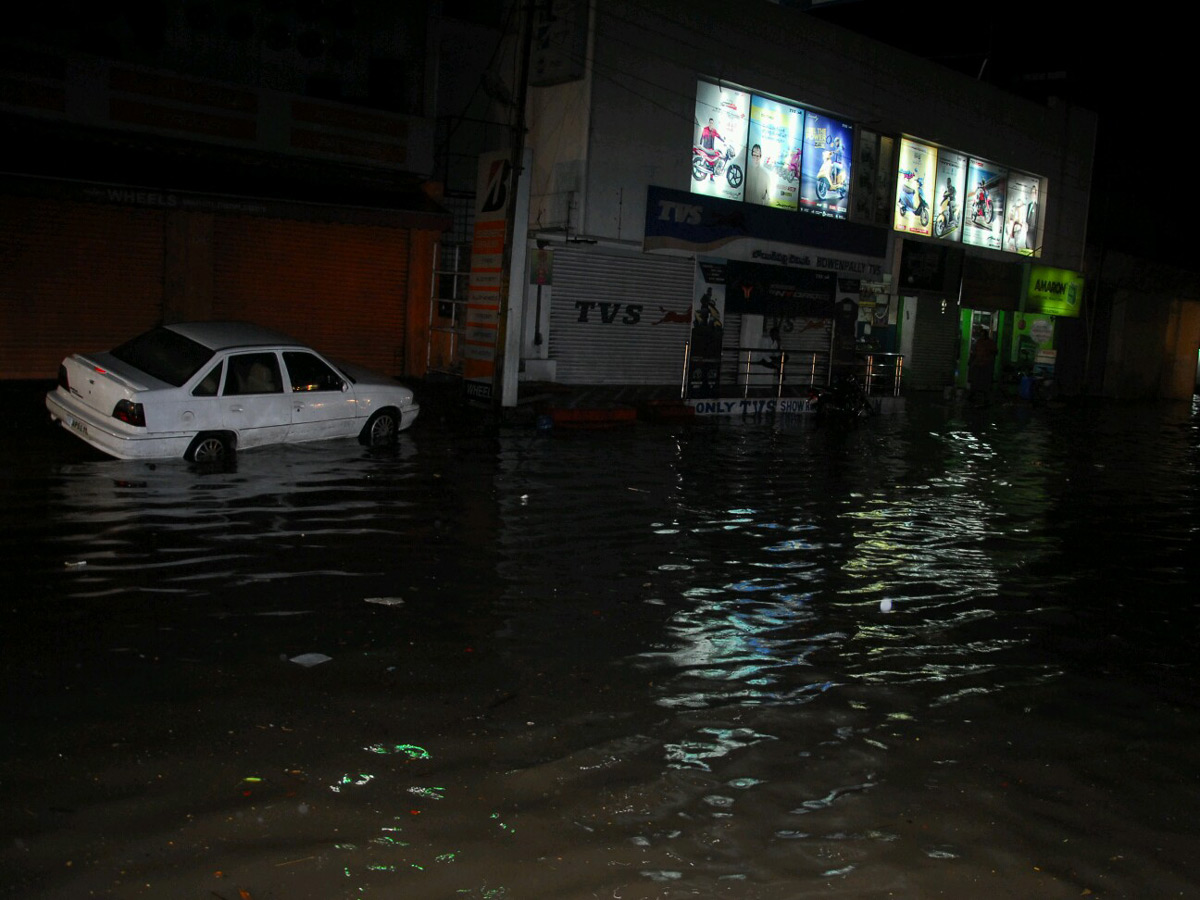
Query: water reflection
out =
(943, 653)
(167, 528)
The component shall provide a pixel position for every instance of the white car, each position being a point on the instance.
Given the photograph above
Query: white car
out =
(204, 390)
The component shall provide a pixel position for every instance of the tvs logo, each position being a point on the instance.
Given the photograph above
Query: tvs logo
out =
(495, 186)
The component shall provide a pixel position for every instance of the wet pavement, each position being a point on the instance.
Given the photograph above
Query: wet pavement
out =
(948, 652)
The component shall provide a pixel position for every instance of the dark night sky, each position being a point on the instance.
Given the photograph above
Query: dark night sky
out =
(1127, 64)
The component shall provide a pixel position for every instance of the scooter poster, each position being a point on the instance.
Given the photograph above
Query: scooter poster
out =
(984, 213)
(825, 171)
(719, 141)
(776, 136)
(914, 184)
(1021, 221)
(949, 190)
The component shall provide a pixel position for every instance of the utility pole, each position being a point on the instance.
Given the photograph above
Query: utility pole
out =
(517, 172)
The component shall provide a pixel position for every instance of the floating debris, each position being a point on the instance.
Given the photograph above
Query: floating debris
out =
(384, 601)
(308, 660)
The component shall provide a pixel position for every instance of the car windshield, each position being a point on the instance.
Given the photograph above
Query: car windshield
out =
(165, 354)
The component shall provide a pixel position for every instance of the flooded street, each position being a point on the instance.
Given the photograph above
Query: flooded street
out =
(947, 653)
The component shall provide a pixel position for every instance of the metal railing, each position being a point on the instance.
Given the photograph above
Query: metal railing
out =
(752, 372)
(762, 373)
(882, 373)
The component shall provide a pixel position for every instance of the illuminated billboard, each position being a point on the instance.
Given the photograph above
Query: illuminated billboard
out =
(1054, 292)
(825, 165)
(719, 141)
(949, 196)
(984, 224)
(914, 183)
(949, 189)
(1022, 223)
(773, 172)
(770, 152)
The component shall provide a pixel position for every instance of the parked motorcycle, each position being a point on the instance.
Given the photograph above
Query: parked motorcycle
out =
(831, 179)
(912, 199)
(845, 400)
(713, 163)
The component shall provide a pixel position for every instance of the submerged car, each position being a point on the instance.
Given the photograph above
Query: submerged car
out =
(204, 390)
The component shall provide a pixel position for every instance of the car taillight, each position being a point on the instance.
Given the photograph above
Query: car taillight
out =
(63, 381)
(130, 413)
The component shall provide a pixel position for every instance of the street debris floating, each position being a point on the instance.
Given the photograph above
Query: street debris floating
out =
(384, 601)
(308, 660)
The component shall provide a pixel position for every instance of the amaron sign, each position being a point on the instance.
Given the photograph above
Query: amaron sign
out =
(1054, 292)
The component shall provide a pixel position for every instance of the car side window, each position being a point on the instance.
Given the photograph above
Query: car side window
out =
(210, 383)
(310, 373)
(253, 373)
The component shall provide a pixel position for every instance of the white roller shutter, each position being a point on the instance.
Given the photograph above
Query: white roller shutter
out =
(620, 319)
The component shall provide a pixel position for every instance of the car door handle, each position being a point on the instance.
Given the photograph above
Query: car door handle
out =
(236, 409)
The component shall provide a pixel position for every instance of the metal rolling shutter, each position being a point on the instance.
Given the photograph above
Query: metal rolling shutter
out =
(647, 351)
(341, 288)
(74, 276)
(935, 346)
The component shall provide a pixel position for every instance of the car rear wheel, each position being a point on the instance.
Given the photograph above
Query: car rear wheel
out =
(381, 429)
(210, 448)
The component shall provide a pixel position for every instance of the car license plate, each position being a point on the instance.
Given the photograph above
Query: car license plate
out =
(79, 426)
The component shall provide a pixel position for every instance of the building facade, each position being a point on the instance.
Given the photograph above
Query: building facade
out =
(801, 187)
(262, 162)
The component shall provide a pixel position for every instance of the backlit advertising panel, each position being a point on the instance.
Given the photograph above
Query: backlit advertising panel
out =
(825, 169)
(984, 214)
(1054, 292)
(1022, 228)
(948, 192)
(773, 170)
(914, 185)
(719, 141)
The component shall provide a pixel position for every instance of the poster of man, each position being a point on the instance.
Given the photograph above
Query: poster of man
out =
(1021, 223)
(719, 148)
(776, 135)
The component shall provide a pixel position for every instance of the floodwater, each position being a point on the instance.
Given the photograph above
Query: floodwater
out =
(946, 653)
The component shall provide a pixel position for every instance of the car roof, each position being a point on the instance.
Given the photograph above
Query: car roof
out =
(227, 335)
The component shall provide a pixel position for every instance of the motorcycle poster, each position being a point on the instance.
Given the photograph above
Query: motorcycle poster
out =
(708, 314)
(825, 166)
(719, 141)
(1021, 222)
(776, 136)
(949, 190)
(914, 185)
(983, 216)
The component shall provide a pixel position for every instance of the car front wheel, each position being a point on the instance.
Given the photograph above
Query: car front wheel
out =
(381, 429)
(210, 448)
